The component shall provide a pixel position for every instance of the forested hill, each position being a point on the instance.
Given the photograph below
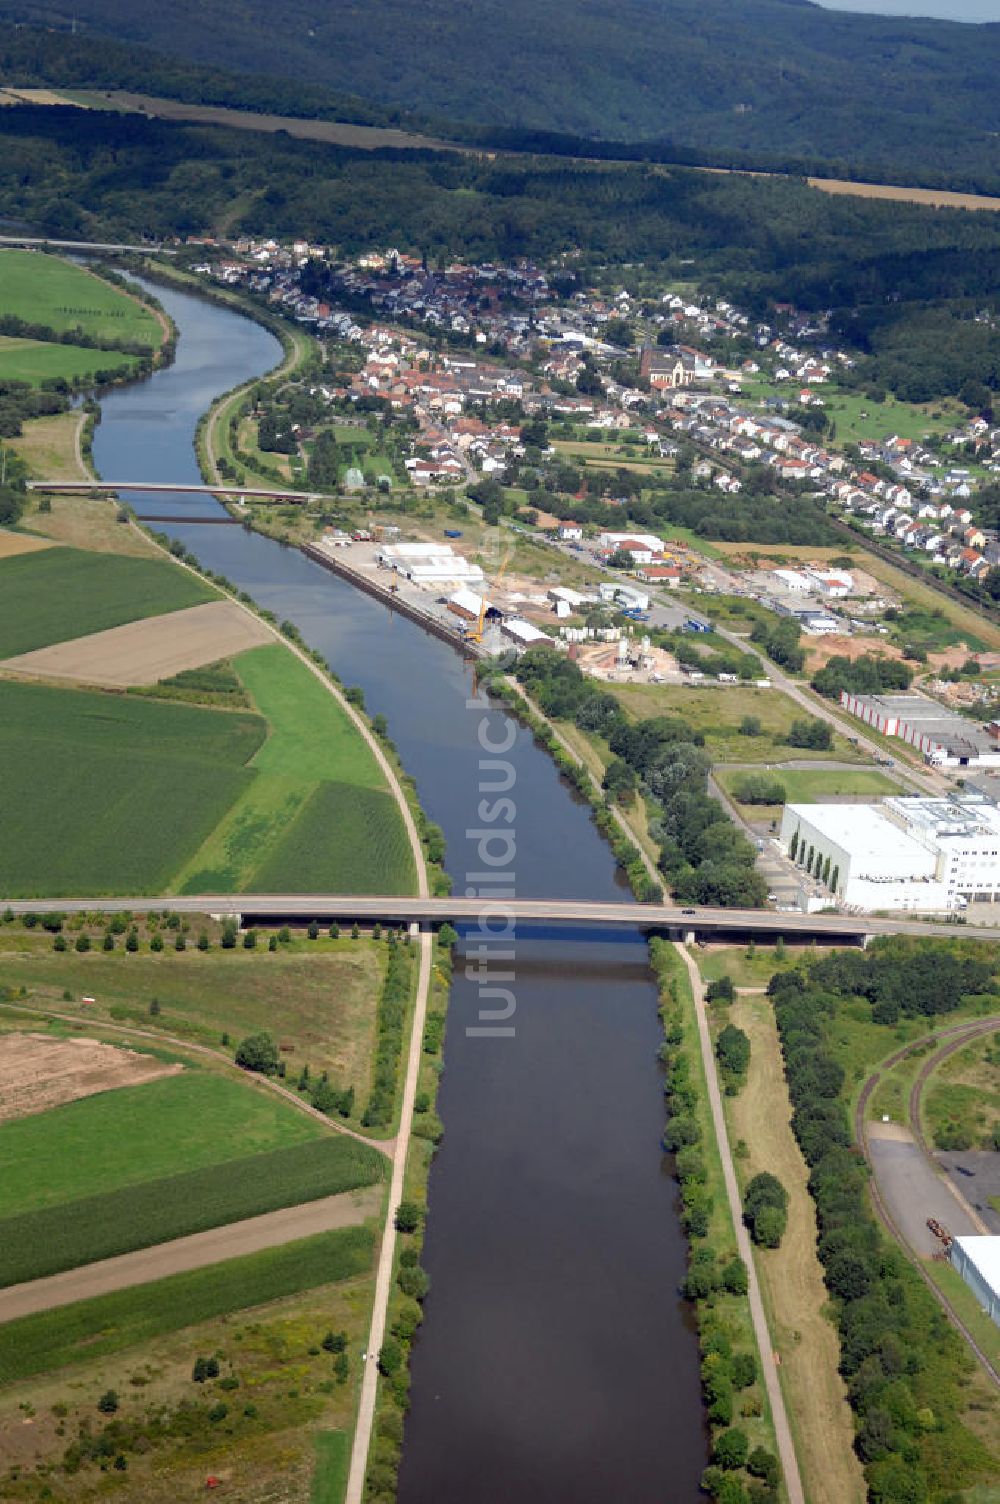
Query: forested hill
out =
(768, 76)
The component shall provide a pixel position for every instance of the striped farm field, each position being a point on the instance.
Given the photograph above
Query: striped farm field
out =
(61, 593)
(48, 1240)
(344, 840)
(125, 1138)
(109, 1324)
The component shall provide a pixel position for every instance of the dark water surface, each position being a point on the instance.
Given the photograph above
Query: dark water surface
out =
(556, 1362)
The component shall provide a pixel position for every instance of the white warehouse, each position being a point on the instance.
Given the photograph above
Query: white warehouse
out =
(978, 1262)
(922, 855)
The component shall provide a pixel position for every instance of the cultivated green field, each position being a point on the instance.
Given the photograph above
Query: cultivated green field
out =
(62, 593)
(39, 1243)
(102, 793)
(124, 1137)
(268, 833)
(33, 361)
(344, 840)
(95, 1328)
(44, 289)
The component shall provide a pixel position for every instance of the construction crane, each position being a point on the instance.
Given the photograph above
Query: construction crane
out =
(476, 633)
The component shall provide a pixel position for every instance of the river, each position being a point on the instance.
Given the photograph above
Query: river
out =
(556, 1362)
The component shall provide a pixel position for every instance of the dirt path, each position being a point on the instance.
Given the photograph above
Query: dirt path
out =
(791, 1276)
(193, 1252)
(387, 1252)
(782, 1429)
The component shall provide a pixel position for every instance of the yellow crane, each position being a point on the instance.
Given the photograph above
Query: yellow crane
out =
(476, 632)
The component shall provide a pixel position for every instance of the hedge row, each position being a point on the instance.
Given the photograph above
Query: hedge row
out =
(716, 1274)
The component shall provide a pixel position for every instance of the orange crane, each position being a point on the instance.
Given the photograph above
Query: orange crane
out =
(476, 632)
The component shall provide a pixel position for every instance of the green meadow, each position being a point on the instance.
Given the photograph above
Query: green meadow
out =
(318, 812)
(46, 290)
(35, 362)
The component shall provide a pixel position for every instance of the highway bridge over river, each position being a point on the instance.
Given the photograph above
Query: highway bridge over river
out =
(679, 923)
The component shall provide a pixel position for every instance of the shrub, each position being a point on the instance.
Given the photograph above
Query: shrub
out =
(408, 1216)
(765, 1209)
(390, 1358)
(108, 1402)
(735, 1278)
(258, 1052)
(731, 1449)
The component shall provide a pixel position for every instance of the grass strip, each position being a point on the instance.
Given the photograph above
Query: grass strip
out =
(333, 1455)
(108, 1324)
(39, 1243)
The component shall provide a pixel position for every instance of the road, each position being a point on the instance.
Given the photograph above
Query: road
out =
(193, 1252)
(704, 922)
(782, 1429)
(85, 245)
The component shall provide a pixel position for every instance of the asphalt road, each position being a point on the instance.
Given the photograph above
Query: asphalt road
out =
(703, 922)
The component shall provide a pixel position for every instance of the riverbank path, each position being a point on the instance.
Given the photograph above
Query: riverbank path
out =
(782, 1428)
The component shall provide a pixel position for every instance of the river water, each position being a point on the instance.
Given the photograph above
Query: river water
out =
(556, 1362)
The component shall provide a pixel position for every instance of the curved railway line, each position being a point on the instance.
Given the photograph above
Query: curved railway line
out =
(957, 1036)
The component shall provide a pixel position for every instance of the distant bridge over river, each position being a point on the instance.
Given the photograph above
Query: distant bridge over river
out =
(72, 487)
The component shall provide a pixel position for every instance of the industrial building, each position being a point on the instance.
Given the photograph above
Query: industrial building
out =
(429, 564)
(978, 1262)
(922, 855)
(945, 739)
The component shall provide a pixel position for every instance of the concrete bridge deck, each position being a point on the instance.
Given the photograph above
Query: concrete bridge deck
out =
(830, 929)
(73, 487)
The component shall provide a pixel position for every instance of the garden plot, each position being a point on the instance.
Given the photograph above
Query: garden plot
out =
(143, 652)
(38, 1072)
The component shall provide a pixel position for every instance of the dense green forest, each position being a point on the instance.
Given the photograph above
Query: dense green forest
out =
(887, 271)
(779, 77)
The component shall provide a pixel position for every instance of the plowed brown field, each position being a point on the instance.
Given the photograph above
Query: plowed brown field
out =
(144, 652)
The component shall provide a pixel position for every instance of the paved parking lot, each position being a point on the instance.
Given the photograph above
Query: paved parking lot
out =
(980, 1185)
(913, 1190)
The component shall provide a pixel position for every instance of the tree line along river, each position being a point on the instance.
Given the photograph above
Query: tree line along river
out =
(556, 1361)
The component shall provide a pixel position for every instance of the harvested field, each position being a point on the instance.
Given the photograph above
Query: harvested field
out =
(38, 1072)
(938, 198)
(19, 543)
(144, 652)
